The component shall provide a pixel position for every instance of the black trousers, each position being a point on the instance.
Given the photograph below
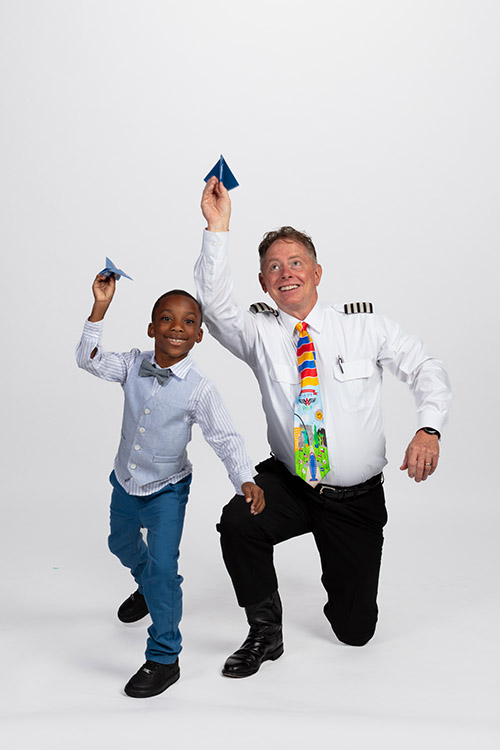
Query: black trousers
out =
(348, 535)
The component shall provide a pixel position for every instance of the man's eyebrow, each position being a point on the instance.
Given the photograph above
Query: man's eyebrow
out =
(290, 257)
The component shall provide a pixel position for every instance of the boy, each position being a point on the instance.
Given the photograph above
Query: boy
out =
(165, 393)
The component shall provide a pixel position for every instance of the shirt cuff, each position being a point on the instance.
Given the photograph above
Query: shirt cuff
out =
(431, 418)
(93, 330)
(214, 243)
(245, 476)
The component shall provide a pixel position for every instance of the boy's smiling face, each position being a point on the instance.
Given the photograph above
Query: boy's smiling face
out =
(176, 328)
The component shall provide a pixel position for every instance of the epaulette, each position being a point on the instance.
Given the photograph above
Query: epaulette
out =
(263, 307)
(358, 307)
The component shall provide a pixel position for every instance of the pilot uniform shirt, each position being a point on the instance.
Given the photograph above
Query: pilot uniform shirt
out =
(158, 418)
(351, 352)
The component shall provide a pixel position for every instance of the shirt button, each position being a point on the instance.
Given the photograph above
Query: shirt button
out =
(133, 466)
(137, 447)
(147, 411)
(141, 429)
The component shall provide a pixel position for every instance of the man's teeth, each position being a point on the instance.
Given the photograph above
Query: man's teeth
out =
(287, 288)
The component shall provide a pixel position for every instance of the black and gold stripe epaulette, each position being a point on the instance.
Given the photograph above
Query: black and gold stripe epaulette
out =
(358, 307)
(263, 307)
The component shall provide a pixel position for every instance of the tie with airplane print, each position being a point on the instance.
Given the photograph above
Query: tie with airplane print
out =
(309, 435)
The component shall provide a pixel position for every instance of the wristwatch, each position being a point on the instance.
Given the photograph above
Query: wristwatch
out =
(430, 431)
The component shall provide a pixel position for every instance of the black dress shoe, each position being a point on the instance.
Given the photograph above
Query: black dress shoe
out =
(152, 679)
(134, 608)
(264, 641)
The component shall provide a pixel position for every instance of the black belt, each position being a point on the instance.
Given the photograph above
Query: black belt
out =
(342, 493)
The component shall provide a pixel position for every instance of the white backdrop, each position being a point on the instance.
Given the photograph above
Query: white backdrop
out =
(371, 125)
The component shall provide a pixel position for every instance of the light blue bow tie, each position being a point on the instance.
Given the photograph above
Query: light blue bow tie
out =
(148, 370)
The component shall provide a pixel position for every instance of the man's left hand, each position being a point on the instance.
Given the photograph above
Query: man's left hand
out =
(421, 457)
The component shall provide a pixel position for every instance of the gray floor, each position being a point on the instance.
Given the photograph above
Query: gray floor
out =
(430, 676)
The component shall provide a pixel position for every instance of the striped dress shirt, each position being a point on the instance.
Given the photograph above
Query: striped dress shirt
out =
(204, 407)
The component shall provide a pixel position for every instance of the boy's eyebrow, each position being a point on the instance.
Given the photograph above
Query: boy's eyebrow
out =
(187, 312)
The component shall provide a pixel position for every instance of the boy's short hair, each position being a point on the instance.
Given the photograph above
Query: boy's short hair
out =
(171, 293)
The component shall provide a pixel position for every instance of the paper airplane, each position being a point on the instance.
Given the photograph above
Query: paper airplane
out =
(112, 270)
(223, 174)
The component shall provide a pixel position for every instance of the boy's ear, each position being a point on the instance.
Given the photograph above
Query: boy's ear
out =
(151, 331)
(200, 335)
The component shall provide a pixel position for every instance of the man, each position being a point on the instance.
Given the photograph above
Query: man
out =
(319, 369)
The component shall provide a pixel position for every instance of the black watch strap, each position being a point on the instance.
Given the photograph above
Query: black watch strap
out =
(430, 431)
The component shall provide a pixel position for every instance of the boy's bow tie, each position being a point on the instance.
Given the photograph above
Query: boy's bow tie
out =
(148, 370)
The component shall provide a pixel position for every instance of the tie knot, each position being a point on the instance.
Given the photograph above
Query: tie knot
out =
(301, 327)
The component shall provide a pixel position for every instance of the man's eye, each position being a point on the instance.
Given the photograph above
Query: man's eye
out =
(296, 263)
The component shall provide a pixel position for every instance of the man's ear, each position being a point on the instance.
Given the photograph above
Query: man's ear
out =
(264, 287)
(318, 272)
(151, 331)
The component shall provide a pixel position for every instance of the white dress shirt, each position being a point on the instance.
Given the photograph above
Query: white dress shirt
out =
(350, 391)
(204, 407)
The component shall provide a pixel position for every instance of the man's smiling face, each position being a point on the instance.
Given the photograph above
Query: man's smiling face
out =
(176, 328)
(290, 275)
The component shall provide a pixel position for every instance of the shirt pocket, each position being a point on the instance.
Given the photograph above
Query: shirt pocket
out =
(165, 459)
(354, 384)
(285, 379)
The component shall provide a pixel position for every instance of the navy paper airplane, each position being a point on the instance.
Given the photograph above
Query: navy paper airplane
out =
(223, 173)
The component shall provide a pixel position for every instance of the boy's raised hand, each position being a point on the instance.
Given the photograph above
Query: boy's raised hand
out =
(103, 289)
(254, 494)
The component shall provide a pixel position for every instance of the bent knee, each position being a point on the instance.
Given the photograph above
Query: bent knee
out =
(236, 519)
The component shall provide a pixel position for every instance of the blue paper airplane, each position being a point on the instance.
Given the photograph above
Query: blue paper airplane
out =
(223, 174)
(111, 270)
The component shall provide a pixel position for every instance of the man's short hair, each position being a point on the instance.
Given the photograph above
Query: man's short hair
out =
(289, 234)
(171, 293)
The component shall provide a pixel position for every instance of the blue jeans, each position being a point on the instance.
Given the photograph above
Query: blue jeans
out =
(153, 564)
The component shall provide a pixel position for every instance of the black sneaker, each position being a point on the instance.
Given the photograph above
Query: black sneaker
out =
(134, 608)
(152, 679)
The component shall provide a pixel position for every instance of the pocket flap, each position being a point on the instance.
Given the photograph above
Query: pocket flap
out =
(354, 370)
(285, 374)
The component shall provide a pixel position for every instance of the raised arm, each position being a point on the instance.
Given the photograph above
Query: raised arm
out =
(227, 321)
(89, 355)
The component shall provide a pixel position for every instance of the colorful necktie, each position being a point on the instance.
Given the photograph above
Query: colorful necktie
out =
(309, 435)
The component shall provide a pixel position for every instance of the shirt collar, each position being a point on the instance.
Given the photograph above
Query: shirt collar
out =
(315, 319)
(180, 369)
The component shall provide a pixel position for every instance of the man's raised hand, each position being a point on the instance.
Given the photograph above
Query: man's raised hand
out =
(216, 206)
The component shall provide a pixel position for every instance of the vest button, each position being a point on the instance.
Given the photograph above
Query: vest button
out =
(133, 466)
(137, 447)
(141, 429)
(147, 411)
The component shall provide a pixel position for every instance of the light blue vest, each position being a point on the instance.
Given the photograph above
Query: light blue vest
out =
(154, 428)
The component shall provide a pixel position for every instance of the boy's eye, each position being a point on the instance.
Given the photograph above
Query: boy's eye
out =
(189, 321)
(165, 317)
